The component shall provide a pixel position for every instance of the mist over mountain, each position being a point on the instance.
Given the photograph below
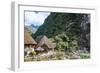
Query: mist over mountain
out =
(35, 26)
(31, 29)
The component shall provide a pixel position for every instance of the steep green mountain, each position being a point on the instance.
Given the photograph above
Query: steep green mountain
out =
(71, 30)
(57, 23)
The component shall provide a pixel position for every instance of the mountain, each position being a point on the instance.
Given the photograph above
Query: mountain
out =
(56, 23)
(35, 26)
(31, 29)
(67, 29)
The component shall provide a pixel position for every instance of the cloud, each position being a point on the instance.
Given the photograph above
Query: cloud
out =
(36, 18)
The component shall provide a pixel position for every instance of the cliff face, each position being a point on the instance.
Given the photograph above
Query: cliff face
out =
(67, 26)
(85, 35)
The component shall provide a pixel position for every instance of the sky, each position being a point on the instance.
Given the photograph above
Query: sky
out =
(36, 18)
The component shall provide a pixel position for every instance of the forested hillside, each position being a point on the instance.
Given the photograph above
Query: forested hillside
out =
(67, 30)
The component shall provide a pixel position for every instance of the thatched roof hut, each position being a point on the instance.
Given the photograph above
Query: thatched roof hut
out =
(43, 40)
(28, 39)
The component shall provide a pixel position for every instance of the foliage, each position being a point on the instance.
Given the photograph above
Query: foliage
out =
(67, 30)
(32, 53)
(84, 55)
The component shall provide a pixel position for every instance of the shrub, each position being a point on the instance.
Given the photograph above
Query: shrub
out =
(84, 56)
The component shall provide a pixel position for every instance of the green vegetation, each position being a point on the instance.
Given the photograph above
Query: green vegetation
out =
(67, 30)
(85, 55)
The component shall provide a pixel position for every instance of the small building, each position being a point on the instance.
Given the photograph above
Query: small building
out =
(29, 42)
(45, 43)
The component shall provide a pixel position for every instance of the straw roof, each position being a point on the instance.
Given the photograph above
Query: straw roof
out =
(43, 40)
(28, 38)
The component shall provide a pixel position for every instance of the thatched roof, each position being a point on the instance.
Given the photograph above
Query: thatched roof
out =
(43, 40)
(28, 38)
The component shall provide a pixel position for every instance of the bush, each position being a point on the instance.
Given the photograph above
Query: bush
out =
(32, 53)
(84, 56)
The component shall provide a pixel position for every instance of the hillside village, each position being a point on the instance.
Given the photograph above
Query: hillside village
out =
(42, 46)
(62, 36)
